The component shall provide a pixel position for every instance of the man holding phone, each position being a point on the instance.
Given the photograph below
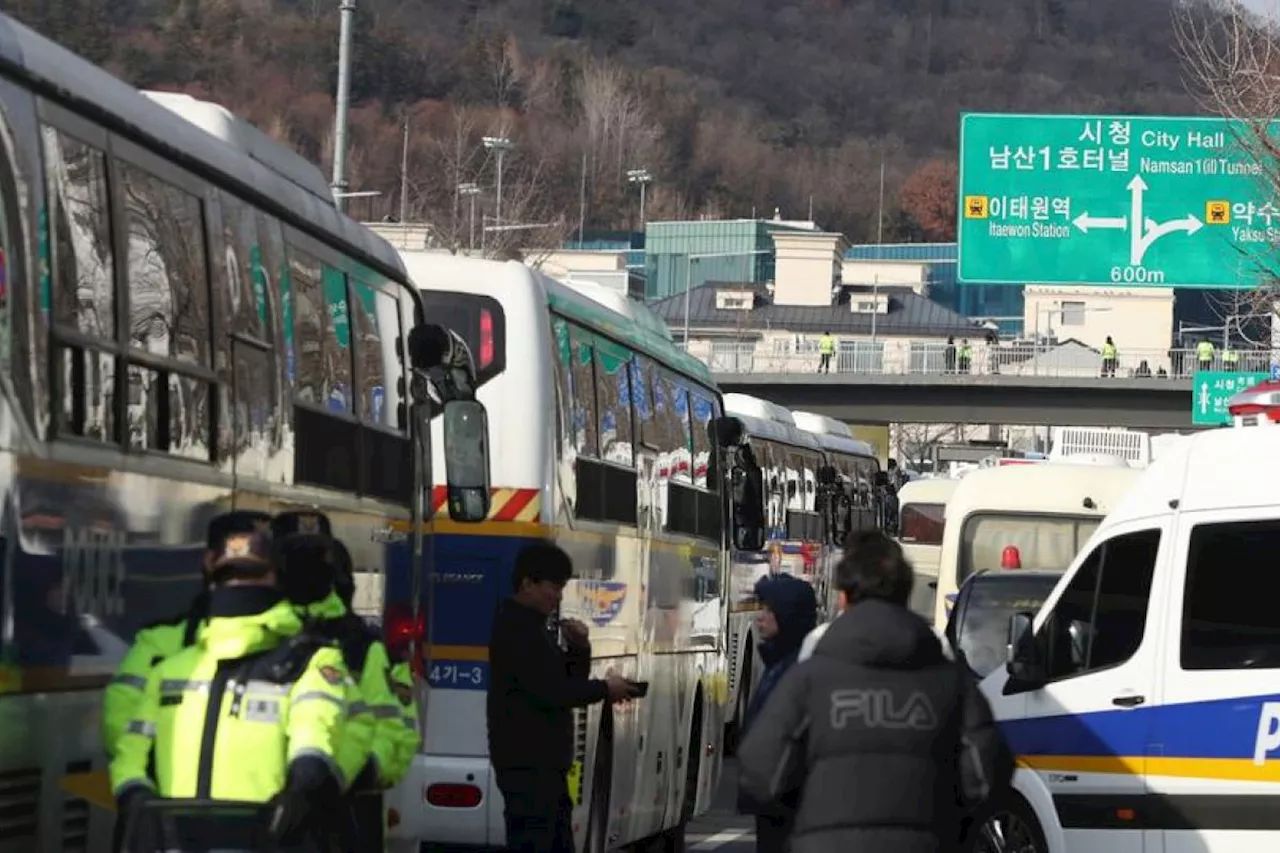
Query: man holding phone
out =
(534, 685)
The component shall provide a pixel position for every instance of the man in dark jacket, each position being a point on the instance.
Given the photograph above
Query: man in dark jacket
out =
(898, 744)
(788, 612)
(533, 688)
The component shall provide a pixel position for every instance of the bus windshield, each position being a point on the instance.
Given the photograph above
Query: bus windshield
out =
(1041, 541)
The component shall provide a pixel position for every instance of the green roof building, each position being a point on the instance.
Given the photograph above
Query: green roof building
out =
(735, 250)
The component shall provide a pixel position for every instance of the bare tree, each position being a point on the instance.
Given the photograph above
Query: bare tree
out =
(915, 442)
(1231, 63)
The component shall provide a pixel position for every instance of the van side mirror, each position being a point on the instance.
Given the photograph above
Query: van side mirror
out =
(466, 460)
(1026, 665)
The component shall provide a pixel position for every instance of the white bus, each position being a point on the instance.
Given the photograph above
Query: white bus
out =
(600, 442)
(1024, 516)
(186, 326)
(794, 533)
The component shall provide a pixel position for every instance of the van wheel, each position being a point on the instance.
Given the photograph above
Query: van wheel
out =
(1010, 826)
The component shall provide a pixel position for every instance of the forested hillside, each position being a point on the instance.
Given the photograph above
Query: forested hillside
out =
(734, 106)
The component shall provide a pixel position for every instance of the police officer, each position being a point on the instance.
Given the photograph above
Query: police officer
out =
(254, 711)
(379, 723)
(161, 639)
(826, 349)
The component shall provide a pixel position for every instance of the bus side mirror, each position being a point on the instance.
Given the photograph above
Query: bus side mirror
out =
(466, 460)
(746, 486)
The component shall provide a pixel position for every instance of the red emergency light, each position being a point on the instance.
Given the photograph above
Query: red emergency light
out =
(1010, 557)
(1256, 406)
(401, 630)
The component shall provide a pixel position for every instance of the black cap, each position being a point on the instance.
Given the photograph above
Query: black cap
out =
(305, 565)
(237, 521)
(301, 521)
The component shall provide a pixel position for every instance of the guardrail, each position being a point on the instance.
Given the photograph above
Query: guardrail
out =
(940, 359)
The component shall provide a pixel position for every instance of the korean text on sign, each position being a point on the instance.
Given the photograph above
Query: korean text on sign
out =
(1037, 208)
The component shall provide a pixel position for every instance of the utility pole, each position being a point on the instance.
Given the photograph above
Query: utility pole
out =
(582, 199)
(346, 9)
(880, 214)
(471, 190)
(499, 144)
(404, 173)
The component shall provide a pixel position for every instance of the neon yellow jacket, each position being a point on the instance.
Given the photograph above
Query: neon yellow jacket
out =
(293, 706)
(375, 731)
(124, 693)
(410, 740)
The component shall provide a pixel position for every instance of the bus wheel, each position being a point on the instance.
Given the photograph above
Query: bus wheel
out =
(1010, 826)
(601, 782)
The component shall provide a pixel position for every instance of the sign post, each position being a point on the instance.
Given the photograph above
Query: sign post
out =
(1111, 200)
(1212, 389)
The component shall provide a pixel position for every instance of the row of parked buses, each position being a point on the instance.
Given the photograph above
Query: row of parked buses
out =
(1121, 634)
(672, 499)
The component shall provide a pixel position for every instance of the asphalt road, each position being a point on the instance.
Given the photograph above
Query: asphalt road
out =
(721, 829)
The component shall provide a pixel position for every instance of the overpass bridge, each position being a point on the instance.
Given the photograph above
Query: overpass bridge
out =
(1001, 386)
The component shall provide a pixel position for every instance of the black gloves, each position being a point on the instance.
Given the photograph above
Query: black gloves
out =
(310, 796)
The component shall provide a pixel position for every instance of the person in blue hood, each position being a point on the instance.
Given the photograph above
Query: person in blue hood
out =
(788, 612)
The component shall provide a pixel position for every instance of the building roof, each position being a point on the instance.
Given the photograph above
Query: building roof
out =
(908, 314)
(919, 252)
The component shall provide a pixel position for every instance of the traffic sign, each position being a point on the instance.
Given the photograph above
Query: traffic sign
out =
(1212, 389)
(1130, 201)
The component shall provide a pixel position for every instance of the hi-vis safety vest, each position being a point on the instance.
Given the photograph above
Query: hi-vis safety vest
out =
(1230, 356)
(827, 345)
(410, 741)
(1108, 351)
(276, 699)
(1204, 351)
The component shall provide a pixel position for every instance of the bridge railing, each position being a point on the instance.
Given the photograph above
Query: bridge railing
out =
(940, 359)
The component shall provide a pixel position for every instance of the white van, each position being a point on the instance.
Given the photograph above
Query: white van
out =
(1025, 516)
(1143, 699)
(922, 508)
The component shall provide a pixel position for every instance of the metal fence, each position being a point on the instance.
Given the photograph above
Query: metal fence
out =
(899, 358)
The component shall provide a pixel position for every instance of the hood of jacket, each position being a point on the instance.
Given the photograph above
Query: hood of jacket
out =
(879, 634)
(243, 621)
(794, 606)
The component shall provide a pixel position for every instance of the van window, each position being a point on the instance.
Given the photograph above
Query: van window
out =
(1043, 541)
(922, 524)
(1100, 618)
(1226, 623)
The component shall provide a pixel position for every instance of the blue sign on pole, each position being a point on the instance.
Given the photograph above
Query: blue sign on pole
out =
(1275, 371)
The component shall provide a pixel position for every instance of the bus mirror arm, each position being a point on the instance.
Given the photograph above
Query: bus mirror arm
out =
(444, 359)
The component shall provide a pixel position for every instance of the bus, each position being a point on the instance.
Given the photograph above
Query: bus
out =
(795, 532)
(187, 325)
(601, 442)
(1024, 516)
(922, 508)
(857, 503)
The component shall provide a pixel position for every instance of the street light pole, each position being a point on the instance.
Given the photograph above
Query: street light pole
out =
(342, 105)
(471, 190)
(500, 144)
(404, 173)
(641, 177)
(688, 281)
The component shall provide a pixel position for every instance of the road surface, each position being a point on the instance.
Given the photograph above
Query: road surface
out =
(722, 829)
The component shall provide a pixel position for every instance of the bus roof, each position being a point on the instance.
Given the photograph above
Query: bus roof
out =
(928, 490)
(768, 420)
(832, 434)
(281, 183)
(744, 405)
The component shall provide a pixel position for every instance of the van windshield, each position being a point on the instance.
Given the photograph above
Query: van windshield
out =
(983, 629)
(1041, 541)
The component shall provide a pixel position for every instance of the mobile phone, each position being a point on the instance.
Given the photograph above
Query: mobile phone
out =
(641, 687)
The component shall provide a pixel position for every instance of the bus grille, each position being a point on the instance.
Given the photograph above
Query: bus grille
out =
(733, 661)
(19, 804)
(75, 816)
(580, 735)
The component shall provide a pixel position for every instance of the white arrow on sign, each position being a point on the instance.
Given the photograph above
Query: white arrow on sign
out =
(1084, 222)
(1189, 224)
(1204, 398)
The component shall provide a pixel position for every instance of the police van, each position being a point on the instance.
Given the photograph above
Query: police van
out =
(1143, 699)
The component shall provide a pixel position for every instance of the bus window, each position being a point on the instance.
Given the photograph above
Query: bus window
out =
(1042, 541)
(923, 524)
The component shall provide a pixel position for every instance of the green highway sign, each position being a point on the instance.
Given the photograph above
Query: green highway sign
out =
(1111, 200)
(1212, 389)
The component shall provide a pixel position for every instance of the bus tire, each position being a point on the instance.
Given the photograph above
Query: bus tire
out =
(1019, 828)
(601, 783)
